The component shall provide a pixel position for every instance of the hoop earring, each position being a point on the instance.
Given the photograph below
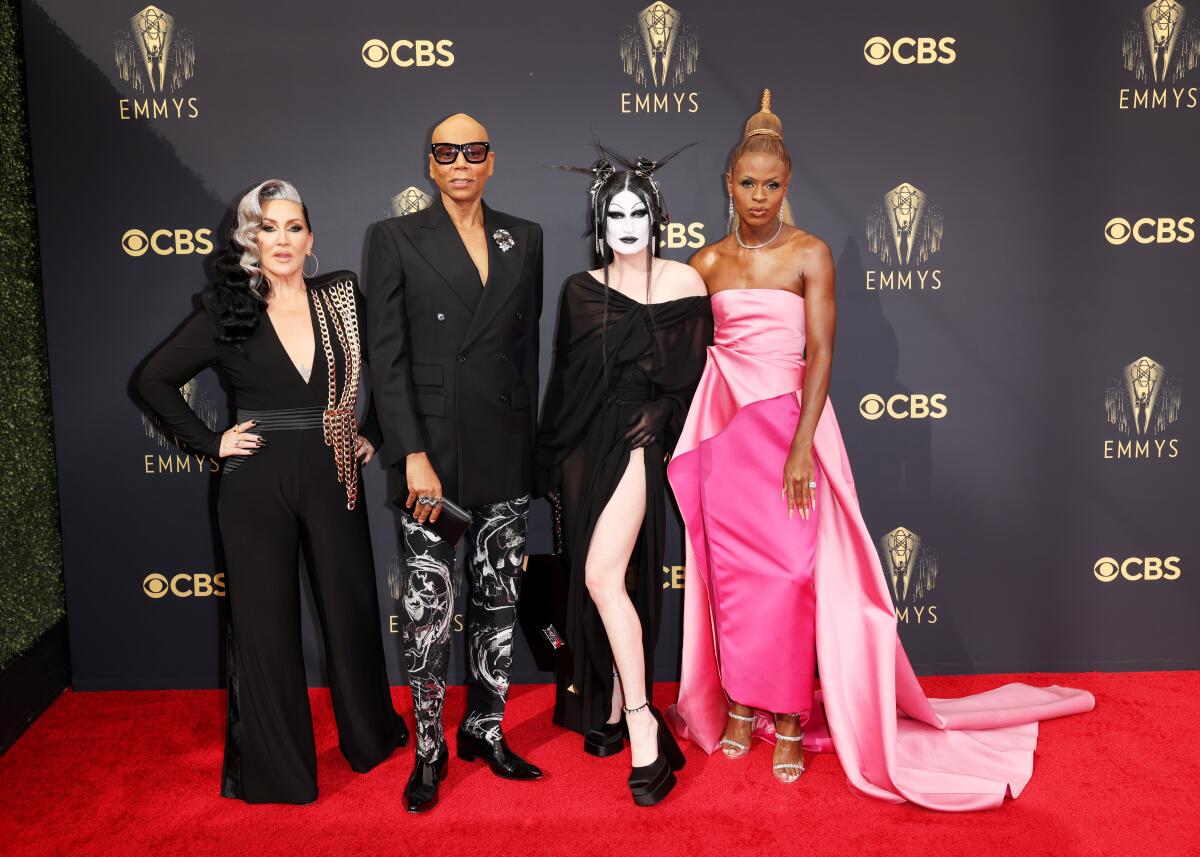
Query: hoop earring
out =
(781, 214)
(653, 245)
(731, 206)
(316, 266)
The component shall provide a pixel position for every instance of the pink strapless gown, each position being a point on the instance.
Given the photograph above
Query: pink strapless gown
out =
(893, 743)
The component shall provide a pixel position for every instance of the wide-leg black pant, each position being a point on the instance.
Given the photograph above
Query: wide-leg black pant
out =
(283, 500)
(495, 547)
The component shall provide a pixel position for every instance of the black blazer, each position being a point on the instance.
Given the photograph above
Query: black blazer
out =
(454, 364)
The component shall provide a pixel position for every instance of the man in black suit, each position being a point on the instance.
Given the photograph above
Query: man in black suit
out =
(454, 294)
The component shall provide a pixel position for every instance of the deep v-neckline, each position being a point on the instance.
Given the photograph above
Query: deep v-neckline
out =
(287, 355)
(487, 248)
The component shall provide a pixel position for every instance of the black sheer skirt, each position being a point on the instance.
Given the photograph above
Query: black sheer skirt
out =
(604, 377)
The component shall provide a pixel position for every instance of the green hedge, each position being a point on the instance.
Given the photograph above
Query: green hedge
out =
(31, 589)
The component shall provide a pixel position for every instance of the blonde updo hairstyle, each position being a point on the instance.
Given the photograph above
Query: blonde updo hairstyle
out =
(763, 135)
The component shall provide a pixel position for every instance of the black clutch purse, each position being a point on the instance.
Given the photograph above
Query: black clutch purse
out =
(452, 522)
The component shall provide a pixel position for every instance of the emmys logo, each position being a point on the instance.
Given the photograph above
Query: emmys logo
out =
(1151, 230)
(1160, 48)
(911, 568)
(396, 623)
(659, 52)
(184, 585)
(1137, 568)
(906, 50)
(155, 57)
(415, 604)
(903, 406)
(1141, 403)
(167, 242)
(172, 461)
(407, 53)
(904, 232)
(410, 201)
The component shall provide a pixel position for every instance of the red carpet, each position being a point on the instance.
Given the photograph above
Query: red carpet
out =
(137, 773)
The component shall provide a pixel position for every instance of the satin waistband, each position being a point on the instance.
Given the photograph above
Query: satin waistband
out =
(287, 419)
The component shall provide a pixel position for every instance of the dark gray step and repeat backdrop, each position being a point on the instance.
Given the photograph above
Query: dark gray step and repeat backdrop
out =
(1010, 191)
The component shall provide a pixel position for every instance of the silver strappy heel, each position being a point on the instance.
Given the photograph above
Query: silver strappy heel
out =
(736, 749)
(788, 772)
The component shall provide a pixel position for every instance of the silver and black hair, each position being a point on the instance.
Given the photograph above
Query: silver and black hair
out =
(240, 290)
(249, 222)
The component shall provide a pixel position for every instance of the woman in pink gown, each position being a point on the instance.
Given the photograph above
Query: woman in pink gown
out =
(783, 577)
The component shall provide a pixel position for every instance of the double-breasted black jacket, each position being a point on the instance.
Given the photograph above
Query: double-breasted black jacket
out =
(454, 363)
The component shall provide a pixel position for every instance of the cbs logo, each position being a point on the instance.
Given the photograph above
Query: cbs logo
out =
(1151, 230)
(678, 235)
(408, 52)
(903, 406)
(184, 585)
(167, 242)
(1108, 569)
(906, 50)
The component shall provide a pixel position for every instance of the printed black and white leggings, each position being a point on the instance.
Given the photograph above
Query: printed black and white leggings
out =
(495, 547)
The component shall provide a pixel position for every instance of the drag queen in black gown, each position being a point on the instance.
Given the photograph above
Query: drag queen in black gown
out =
(629, 351)
(291, 350)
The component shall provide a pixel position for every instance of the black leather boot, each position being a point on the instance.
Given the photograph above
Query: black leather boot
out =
(421, 792)
(498, 755)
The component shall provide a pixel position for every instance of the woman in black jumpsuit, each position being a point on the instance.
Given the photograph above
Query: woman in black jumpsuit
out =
(296, 491)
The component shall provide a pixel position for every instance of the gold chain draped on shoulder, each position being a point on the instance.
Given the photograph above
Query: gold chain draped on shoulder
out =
(339, 422)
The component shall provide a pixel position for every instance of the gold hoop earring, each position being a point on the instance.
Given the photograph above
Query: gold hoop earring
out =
(316, 265)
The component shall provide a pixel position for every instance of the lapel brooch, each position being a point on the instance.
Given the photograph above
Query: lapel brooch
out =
(503, 240)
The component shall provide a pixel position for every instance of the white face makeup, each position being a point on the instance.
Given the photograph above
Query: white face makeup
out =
(627, 224)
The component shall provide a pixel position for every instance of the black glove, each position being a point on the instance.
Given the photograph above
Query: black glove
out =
(646, 425)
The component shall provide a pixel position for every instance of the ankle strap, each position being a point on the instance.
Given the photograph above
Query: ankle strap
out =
(741, 718)
(642, 707)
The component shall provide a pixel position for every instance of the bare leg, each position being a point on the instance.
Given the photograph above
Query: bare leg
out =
(604, 572)
(788, 761)
(735, 743)
(618, 700)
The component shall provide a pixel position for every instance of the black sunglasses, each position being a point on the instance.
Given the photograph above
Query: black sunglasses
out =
(447, 153)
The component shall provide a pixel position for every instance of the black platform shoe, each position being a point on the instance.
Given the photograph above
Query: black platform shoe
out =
(649, 784)
(498, 755)
(606, 741)
(421, 792)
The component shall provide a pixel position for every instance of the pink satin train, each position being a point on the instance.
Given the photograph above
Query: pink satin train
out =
(893, 742)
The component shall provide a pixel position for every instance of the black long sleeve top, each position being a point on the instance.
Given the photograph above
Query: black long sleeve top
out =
(260, 372)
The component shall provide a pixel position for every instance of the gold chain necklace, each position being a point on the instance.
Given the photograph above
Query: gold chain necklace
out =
(338, 421)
